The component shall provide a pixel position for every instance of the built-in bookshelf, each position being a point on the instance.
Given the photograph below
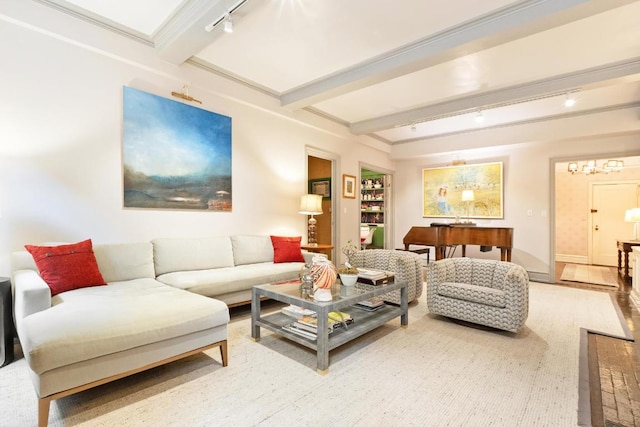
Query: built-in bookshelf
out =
(372, 192)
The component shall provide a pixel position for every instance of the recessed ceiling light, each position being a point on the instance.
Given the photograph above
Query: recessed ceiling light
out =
(570, 101)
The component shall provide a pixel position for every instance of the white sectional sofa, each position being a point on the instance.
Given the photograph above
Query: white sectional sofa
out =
(155, 308)
(225, 267)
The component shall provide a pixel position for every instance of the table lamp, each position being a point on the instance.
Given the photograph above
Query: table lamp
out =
(468, 198)
(311, 204)
(633, 215)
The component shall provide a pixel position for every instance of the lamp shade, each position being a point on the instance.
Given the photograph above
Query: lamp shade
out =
(467, 196)
(632, 215)
(311, 204)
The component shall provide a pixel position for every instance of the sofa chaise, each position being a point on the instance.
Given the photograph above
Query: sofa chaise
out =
(156, 302)
(487, 292)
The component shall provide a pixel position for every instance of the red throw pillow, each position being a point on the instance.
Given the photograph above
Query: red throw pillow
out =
(67, 267)
(286, 249)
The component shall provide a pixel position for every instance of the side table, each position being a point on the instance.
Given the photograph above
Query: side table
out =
(319, 248)
(625, 246)
(6, 322)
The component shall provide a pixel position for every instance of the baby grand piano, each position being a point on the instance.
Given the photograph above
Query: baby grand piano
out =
(447, 236)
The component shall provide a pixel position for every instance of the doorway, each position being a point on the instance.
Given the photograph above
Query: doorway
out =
(573, 223)
(375, 208)
(320, 175)
(609, 201)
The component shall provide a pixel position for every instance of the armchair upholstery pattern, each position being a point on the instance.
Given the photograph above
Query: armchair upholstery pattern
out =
(488, 292)
(407, 266)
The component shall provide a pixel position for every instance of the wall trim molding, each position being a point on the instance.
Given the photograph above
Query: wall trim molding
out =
(536, 276)
(573, 259)
(635, 299)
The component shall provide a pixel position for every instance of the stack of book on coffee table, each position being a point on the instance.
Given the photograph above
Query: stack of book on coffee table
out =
(375, 277)
(307, 326)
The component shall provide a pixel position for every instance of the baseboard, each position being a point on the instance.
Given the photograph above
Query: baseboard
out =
(573, 259)
(536, 276)
(635, 298)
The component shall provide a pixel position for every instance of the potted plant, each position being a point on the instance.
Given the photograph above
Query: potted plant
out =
(348, 273)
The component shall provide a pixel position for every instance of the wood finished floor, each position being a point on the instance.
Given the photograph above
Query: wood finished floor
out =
(614, 364)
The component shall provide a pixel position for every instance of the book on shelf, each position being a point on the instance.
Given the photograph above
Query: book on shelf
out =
(336, 319)
(372, 302)
(341, 318)
(367, 308)
(307, 327)
(301, 332)
(297, 312)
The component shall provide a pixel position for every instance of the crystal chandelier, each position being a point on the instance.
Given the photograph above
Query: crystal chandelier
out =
(591, 167)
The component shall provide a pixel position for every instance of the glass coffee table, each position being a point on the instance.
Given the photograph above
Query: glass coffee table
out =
(344, 297)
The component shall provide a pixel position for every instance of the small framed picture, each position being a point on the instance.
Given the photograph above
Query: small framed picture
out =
(321, 186)
(348, 186)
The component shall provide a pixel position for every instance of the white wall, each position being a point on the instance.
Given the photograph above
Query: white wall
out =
(527, 185)
(60, 148)
(60, 142)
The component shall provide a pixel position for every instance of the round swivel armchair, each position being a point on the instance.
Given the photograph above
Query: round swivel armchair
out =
(407, 266)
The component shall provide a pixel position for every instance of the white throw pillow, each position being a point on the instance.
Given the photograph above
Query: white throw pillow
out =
(251, 249)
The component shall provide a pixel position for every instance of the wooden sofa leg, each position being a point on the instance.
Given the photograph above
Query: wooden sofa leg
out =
(223, 353)
(43, 412)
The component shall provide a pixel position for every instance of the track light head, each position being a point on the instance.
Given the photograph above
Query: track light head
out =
(228, 24)
(225, 18)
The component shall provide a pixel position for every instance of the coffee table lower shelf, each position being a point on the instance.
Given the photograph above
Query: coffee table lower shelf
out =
(363, 321)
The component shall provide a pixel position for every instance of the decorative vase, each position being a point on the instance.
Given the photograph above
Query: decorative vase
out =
(306, 281)
(324, 275)
(348, 279)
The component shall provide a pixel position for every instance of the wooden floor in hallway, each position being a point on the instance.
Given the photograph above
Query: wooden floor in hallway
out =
(614, 364)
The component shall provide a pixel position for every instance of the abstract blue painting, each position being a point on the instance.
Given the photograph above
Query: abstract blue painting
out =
(175, 156)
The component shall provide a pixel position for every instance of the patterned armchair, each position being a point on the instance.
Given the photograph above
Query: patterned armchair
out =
(488, 292)
(406, 266)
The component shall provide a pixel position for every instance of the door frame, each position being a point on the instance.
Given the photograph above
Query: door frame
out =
(333, 158)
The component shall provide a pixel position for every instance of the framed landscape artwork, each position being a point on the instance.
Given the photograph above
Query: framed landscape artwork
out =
(443, 187)
(175, 156)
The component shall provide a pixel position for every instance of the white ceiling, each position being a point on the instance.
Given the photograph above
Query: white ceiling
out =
(402, 71)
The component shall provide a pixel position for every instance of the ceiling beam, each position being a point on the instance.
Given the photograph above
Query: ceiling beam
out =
(531, 90)
(184, 35)
(95, 19)
(527, 121)
(503, 25)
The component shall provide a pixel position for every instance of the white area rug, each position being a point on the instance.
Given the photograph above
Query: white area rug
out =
(434, 373)
(589, 274)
